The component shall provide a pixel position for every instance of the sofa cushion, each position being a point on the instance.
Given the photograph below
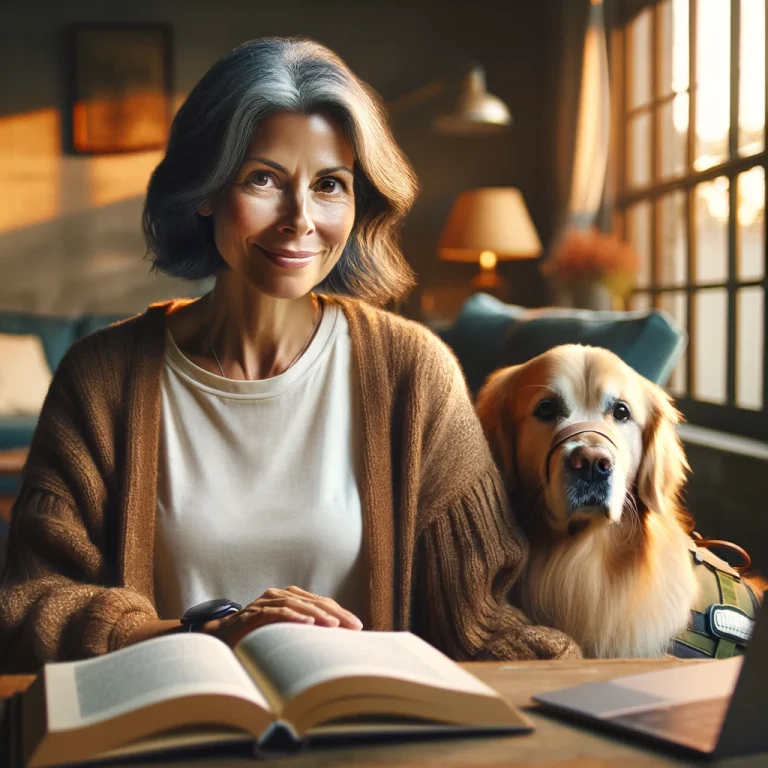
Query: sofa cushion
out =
(478, 333)
(24, 375)
(489, 334)
(650, 342)
(56, 333)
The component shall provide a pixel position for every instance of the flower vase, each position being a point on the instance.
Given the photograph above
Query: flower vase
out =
(584, 294)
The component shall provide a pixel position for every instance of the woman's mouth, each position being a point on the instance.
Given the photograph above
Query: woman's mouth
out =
(288, 259)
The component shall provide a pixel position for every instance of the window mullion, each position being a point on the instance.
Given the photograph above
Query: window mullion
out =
(733, 204)
(655, 239)
(690, 208)
(765, 243)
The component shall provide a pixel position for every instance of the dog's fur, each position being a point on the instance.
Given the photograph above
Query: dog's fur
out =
(615, 574)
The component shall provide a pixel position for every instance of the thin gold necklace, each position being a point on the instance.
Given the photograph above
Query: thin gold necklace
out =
(300, 352)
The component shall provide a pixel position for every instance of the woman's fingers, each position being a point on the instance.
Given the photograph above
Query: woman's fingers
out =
(330, 606)
(279, 605)
(308, 608)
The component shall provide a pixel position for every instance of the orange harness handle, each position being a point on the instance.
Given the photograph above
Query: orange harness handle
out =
(710, 543)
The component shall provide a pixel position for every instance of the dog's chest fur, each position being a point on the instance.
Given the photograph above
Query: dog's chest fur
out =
(617, 592)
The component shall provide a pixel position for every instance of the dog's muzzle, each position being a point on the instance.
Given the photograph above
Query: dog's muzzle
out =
(566, 433)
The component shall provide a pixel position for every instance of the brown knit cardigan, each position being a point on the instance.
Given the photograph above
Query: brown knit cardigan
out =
(439, 547)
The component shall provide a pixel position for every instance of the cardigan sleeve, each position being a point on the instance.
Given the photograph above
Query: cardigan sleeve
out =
(59, 597)
(469, 549)
(54, 602)
(467, 560)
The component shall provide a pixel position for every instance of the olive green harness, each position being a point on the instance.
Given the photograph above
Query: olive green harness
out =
(722, 619)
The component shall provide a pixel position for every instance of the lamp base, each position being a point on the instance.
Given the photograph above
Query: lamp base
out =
(490, 281)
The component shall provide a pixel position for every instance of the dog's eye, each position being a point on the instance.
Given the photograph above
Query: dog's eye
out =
(546, 410)
(621, 412)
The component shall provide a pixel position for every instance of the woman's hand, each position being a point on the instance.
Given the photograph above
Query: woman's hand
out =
(292, 604)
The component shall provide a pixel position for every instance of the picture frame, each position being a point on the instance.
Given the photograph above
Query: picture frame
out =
(120, 87)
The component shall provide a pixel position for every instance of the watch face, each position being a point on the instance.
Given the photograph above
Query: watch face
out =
(210, 609)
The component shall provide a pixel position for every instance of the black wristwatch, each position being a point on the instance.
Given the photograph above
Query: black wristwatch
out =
(208, 611)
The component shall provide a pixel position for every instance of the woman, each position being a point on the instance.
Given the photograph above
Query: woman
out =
(266, 434)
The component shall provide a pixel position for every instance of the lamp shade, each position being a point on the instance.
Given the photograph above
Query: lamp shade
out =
(489, 219)
(476, 112)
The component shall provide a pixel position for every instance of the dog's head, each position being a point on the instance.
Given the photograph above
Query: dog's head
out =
(582, 439)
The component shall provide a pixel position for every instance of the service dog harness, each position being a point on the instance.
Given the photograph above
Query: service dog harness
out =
(722, 620)
(723, 617)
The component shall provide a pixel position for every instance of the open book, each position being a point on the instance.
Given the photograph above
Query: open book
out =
(283, 684)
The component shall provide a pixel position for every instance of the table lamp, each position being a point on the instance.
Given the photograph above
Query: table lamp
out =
(485, 226)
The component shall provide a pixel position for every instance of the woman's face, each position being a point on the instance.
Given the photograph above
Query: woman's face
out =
(283, 223)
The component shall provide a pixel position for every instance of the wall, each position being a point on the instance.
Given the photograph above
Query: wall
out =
(727, 494)
(69, 226)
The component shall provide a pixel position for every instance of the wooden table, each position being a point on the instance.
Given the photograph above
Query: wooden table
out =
(553, 743)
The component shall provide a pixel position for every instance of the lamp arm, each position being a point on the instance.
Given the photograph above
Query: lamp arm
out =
(416, 97)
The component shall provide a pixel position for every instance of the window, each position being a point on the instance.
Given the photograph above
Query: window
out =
(691, 181)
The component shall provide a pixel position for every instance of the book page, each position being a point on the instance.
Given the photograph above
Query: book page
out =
(82, 693)
(295, 657)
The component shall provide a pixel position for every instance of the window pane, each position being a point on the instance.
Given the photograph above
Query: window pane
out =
(709, 344)
(673, 119)
(675, 304)
(640, 46)
(641, 301)
(673, 64)
(752, 77)
(672, 255)
(639, 235)
(640, 150)
(750, 306)
(751, 257)
(713, 46)
(712, 231)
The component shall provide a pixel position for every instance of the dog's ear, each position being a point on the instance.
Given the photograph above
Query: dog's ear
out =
(663, 465)
(494, 404)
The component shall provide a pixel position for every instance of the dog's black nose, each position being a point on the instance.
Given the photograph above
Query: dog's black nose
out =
(591, 462)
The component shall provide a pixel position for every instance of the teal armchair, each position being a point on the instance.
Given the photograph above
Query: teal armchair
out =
(488, 334)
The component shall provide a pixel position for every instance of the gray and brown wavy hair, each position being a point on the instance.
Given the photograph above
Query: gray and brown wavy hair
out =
(209, 139)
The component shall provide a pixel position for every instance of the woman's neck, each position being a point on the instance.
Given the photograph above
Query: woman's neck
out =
(249, 334)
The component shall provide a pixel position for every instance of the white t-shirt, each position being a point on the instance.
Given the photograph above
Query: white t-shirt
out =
(257, 480)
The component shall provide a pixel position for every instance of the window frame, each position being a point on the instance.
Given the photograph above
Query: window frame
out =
(727, 417)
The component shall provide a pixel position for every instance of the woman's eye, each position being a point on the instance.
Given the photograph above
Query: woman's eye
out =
(329, 186)
(621, 412)
(546, 410)
(260, 179)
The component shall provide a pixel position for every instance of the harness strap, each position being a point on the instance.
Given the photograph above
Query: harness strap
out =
(720, 623)
(726, 585)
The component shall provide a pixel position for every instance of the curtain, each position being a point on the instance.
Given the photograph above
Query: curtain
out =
(583, 117)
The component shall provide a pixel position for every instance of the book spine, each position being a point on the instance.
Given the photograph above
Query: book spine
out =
(278, 739)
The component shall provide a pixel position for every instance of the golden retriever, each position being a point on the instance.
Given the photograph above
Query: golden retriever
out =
(594, 468)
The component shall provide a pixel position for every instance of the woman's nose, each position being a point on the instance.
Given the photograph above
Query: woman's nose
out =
(296, 220)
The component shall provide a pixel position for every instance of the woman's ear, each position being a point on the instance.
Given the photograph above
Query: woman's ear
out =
(663, 465)
(206, 209)
(494, 405)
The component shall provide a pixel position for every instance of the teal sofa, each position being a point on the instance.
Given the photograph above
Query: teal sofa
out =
(57, 335)
(488, 334)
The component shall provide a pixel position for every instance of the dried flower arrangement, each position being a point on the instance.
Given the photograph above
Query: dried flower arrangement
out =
(591, 256)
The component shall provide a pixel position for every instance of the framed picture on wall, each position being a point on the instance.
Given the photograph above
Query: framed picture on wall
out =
(120, 87)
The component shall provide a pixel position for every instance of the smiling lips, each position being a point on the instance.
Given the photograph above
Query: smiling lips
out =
(289, 259)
